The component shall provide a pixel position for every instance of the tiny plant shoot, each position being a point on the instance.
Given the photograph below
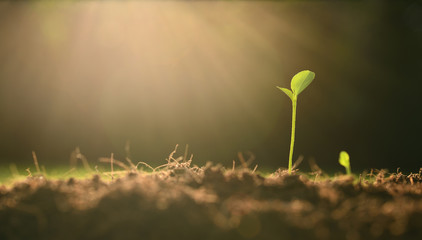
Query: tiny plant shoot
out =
(344, 160)
(299, 82)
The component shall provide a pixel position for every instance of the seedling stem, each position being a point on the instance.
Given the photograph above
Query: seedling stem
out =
(292, 139)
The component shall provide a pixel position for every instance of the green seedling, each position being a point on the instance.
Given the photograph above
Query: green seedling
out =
(299, 82)
(344, 160)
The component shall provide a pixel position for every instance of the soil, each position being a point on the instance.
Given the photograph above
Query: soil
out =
(213, 203)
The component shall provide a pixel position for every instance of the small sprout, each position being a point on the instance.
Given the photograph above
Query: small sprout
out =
(299, 82)
(344, 160)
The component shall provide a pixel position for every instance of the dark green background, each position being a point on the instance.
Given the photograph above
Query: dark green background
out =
(211, 84)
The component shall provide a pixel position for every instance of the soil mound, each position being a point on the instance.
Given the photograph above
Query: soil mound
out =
(213, 203)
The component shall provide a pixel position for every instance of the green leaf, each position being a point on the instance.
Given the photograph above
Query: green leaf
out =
(287, 92)
(301, 80)
(344, 159)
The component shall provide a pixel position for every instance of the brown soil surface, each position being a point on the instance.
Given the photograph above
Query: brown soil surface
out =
(212, 203)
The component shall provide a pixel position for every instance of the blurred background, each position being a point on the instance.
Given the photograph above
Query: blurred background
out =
(105, 75)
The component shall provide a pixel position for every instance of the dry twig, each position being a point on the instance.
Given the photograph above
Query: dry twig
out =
(37, 167)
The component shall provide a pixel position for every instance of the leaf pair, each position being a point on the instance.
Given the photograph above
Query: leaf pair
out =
(299, 82)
